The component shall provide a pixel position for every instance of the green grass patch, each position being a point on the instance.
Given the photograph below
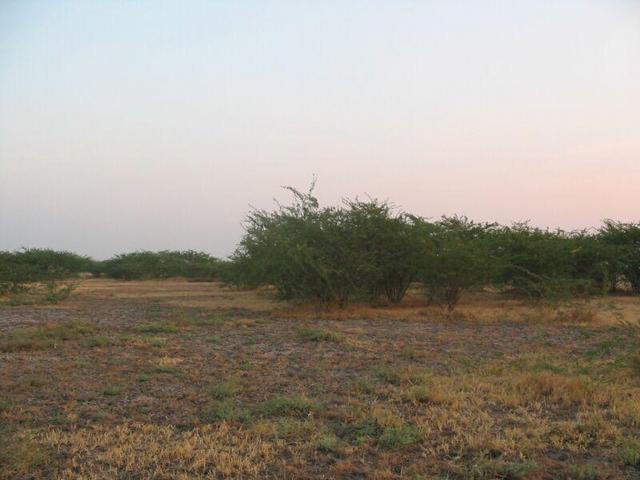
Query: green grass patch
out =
(328, 443)
(44, 336)
(156, 327)
(319, 335)
(201, 321)
(226, 389)
(225, 410)
(164, 369)
(629, 452)
(295, 405)
(399, 436)
(112, 391)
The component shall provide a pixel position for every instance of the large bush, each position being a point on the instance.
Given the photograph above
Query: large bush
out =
(624, 240)
(330, 254)
(457, 256)
(385, 248)
(300, 249)
(543, 264)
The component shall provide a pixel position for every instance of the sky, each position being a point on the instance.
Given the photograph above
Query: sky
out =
(129, 125)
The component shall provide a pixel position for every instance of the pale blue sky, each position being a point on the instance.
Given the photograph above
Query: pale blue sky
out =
(153, 125)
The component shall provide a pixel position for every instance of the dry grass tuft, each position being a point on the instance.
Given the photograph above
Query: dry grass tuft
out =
(123, 451)
(553, 389)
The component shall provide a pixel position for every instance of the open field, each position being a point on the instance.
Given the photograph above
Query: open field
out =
(171, 379)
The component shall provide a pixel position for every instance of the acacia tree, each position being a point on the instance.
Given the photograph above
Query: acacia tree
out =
(300, 248)
(330, 253)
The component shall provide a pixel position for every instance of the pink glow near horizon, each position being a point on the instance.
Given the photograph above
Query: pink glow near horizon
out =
(149, 125)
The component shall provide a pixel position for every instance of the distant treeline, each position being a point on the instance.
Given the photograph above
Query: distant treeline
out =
(366, 250)
(42, 265)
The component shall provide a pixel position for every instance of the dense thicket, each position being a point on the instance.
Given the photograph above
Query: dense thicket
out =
(366, 249)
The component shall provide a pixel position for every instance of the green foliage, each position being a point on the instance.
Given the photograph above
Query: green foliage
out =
(56, 292)
(300, 249)
(365, 249)
(546, 264)
(329, 254)
(457, 256)
(156, 327)
(19, 268)
(385, 248)
(624, 240)
(224, 410)
(165, 264)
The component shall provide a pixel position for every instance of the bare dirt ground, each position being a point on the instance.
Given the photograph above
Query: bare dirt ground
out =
(171, 379)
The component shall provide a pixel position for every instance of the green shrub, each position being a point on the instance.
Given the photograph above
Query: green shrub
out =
(551, 264)
(457, 256)
(624, 239)
(57, 292)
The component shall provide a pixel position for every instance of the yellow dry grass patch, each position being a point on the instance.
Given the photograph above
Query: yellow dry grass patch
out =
(482, 307)
(178, 293)
(160, 452)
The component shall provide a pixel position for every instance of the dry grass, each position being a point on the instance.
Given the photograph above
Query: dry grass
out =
(188, 380)
(105, 452)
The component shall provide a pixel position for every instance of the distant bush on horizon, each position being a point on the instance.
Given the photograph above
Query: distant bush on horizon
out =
(163, 264)
(31, 265)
